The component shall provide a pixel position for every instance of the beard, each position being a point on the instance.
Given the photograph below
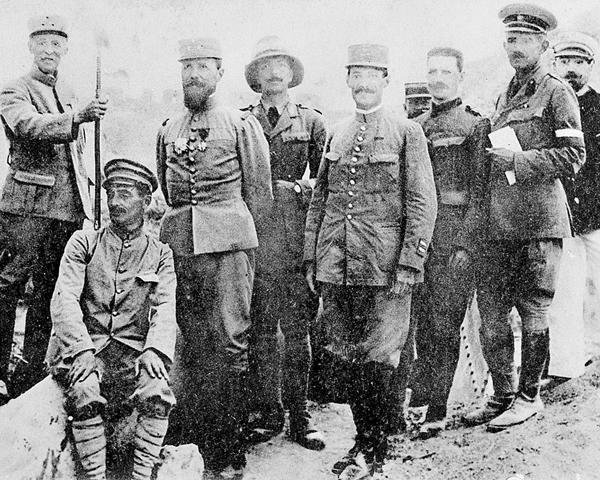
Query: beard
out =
(576, 82)
(195, 95)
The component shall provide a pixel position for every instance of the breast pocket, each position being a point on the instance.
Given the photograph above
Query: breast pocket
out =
(383, 171)
(531, 127)
(337, 174)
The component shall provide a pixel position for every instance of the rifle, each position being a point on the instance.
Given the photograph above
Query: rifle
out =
(97, 161)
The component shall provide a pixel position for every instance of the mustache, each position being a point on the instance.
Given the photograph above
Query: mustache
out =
(438, 85)
(572, 76)
(193, 83)
(275, 79)
(117, 211)
(365, 89)
(517, 56)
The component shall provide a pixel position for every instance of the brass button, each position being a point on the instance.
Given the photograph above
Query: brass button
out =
(353, 170)
(352, 182)
(354, 159)
(126, 244)
(115, 314)
(193, 170)
(193, 192)
(350, 205)
(360, 139)
(349, 217)
(351, 193)
(121, 270)
(120, 291)
(357, 149)
(194, 201)
(362, 128)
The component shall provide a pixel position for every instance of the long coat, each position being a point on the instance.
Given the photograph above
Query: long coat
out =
(46, 177)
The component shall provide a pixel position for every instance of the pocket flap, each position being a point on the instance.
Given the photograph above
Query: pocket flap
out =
(525, 114)
(295, 136)
(383, 158)
(149, 277)
(35, 178)
(446, 142)
(332, 156)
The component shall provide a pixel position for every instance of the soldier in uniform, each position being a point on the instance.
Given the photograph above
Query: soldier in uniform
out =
(456, 137)
(574, 54)
(368, 229)
(417, 99)
(45, 197)
(281, 298)
(113, 314)
(213, 168)
(528, 216)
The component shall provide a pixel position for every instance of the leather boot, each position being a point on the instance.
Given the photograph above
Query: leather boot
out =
(492, 408)
(149, 435)
(535, 348)
(90, 444)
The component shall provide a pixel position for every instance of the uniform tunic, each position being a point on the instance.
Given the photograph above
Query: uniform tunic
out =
(456, 137)
(213, 168)
(527, 220)
(281, 298)
(44, 200)
(372, 212)
(115, 296)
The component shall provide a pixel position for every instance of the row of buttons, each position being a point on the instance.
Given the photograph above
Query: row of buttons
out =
(357, 149)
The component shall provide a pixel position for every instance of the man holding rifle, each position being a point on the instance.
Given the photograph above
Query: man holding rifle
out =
(45, 197)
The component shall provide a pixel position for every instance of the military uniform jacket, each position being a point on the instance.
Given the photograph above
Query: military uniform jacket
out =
(46, 177)
(297, 141)
(545, 116)
(583, 189)
(374, 204)
(213, 168)
(113, 288)
(456, 137)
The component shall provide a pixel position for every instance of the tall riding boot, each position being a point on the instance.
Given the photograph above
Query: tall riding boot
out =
(90, 443)
(149, 435)
(535, 349)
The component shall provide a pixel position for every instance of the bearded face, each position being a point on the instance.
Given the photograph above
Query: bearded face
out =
(199, 78)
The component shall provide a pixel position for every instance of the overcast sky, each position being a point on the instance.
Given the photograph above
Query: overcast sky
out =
(143, 34)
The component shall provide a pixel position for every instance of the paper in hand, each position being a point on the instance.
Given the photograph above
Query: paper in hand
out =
(506, 138)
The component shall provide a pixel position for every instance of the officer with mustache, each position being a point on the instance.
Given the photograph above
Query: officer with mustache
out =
(281, 299)
(574, 57)
(368, 230)
(45, 196)
(457, 139)
(527, 218)
(213, 169)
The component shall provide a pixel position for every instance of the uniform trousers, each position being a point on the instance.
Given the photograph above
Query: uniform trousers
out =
(114, 386)
(282, 304)
(214, 291)
(521, 274)
(29, 247)
(439, 307)
(366, 329)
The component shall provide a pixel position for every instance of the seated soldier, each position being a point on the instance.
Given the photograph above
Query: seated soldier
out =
(113, 315)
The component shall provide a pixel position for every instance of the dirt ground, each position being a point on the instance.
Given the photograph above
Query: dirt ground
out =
(562, 442)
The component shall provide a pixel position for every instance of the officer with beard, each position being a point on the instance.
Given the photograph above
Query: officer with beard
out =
(213, 168)
(574, 54)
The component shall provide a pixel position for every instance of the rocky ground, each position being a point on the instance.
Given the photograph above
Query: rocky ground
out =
(563, 442)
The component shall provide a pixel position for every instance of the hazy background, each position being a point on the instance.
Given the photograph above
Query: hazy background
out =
(141, 72)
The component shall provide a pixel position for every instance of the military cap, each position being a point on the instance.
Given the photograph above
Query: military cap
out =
(129, 171)
(575, 44)
(527, 18)
(199, 48)
(368, 55)
(41, 24)
(268, 47)
(416, 90)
